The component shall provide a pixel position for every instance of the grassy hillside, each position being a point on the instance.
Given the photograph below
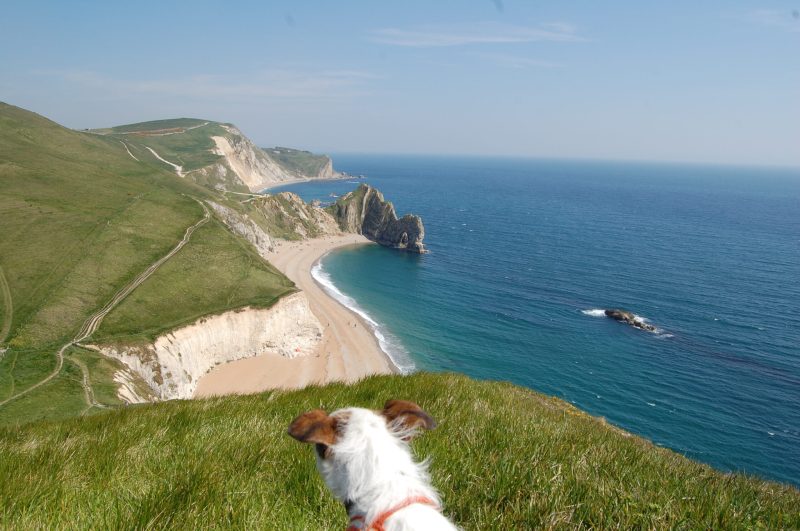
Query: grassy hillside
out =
(298, 161)
(184, 141)
(503, 458)
(214, 272)
(158, 125)
(80, 220)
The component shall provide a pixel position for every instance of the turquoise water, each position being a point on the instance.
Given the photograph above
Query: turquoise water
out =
(523, 251)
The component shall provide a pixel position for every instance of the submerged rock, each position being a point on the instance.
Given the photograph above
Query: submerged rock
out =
(630, 319)
(364, 211)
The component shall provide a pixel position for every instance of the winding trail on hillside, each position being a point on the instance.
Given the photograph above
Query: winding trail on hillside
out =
(88, 392)
(129, 151)
(7, 306)
(93, 322)
(178, 169)
(157, 132)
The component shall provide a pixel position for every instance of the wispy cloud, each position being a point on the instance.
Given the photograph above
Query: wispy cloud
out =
(785, 19)
(486, 33)
(516, 62)
(277, 83)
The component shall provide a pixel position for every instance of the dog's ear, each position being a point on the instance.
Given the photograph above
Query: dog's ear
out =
(314, 427)
(408, 415)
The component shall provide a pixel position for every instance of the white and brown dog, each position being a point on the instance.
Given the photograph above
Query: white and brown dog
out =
(364, 458)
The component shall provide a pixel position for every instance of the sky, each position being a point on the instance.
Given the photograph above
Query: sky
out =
(712, 81)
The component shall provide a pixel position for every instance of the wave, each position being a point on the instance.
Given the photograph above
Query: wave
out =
(388, 343)
(594, 312)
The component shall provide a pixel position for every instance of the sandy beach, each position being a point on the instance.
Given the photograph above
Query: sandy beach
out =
(349, 350)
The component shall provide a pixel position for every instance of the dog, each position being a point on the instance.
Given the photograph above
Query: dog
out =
(364, 458)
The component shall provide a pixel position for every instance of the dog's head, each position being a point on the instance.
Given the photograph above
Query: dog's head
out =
(353, 445)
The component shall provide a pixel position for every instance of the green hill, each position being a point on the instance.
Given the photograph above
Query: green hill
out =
(216, 155)
(298, 161)
(503, 457)
(81, 218)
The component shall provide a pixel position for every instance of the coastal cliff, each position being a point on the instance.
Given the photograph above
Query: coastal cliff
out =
(174, 362)
(216, 155)
(257, 168)
(365, 211)
(286, 216)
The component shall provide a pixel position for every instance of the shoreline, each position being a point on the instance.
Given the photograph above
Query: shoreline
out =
(349, 349)
(298, 181)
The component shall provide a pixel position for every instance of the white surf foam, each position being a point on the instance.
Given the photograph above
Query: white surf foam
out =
(594, 312)
(388, 343)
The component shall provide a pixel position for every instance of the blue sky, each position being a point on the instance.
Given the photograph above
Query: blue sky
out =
(708, 81)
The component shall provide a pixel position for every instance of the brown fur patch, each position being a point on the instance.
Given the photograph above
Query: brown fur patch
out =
(408, 414)
(314, 427)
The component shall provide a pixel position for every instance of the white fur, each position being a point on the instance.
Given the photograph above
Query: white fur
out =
(371, 466)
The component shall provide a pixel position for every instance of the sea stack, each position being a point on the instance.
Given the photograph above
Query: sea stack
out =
(628, 318)
(364, 211)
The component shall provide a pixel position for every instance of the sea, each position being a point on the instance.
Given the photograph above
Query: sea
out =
(526, 254)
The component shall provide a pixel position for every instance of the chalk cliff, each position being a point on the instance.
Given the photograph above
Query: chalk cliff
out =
(287, 216)
(174, 362)
(258, 169)
(245, 227)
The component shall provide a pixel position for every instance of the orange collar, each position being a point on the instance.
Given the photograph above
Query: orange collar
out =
(377, 524)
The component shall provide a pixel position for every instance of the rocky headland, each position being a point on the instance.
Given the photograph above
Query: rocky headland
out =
(365, 211)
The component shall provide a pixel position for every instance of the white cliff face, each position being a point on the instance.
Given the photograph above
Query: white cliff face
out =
(174, 363)
(128, 391)
(326, 172)
(244, 227)
(253, 167)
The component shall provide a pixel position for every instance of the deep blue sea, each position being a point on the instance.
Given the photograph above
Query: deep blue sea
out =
(523, 251)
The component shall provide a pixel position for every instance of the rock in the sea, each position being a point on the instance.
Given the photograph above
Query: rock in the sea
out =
(364, 211)
(628, 318)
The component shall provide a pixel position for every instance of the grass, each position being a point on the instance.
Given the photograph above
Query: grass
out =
(297, 161)
(77, 213)
(191, 149)
(503, 458)
(6, 308)
(101, 370)
(81, 219)
(214, 272)
(61, 398)
(156, 125)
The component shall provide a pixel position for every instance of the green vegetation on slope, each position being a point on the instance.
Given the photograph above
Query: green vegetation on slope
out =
(297, 161)
(6, 308)
(191, 148)
(502, 457)
(80, 219)
(158, 125)
(64, 396)
(214, 272)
